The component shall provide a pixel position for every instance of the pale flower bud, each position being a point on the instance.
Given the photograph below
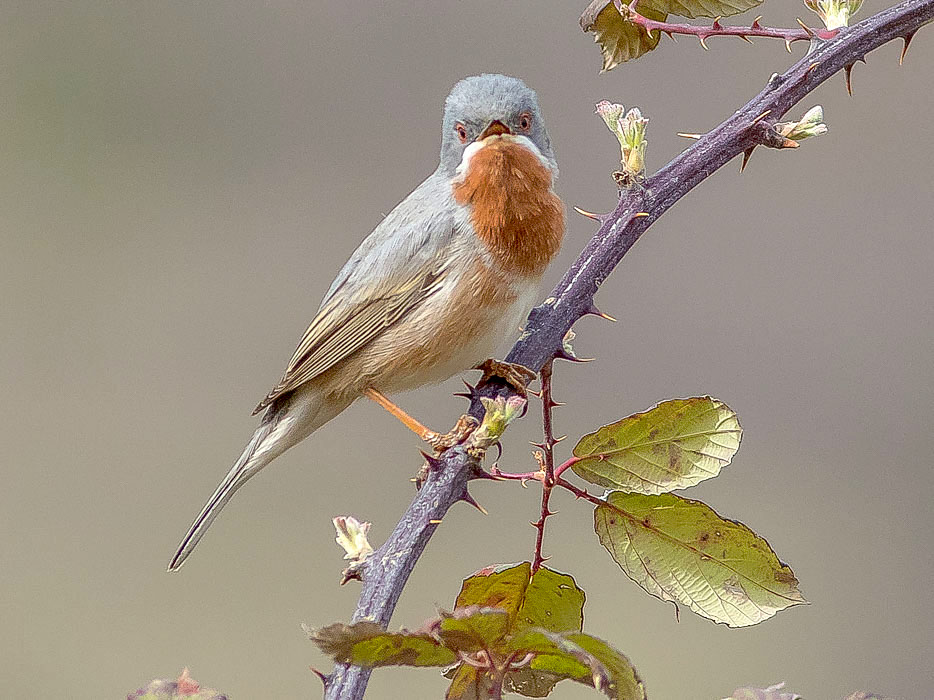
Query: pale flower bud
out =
(351, 535)
(834, 13)
(811, 124)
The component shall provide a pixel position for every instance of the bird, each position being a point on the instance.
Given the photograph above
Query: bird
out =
(449, 274)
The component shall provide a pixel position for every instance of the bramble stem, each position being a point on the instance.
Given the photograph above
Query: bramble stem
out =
(789, 36)
(548, 472)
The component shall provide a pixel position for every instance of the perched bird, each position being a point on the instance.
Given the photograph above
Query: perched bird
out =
(434, 290)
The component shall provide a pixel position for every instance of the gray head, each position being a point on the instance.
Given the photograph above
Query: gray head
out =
(477, 102)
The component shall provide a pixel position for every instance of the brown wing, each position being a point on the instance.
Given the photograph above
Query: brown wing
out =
(345, 325)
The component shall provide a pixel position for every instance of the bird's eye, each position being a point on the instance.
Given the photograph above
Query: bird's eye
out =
(461, 133)
(525, 121)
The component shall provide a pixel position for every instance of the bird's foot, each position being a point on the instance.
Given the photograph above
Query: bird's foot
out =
(462, 429)
(518, 376)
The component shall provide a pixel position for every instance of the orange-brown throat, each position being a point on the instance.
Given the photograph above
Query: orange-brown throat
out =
(512, 206)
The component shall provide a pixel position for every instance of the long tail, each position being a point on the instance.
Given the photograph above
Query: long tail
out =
(250, 463)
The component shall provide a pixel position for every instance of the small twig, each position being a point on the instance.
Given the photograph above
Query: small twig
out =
(789, 36)
(548, 450)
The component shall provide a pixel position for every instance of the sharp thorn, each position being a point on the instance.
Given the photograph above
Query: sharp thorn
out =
(672, 37)
(321, 677)
(594, 311)
(562, 355)
(688, 136)
(434, 521)
(556, 404)
(703, 42)
(762, 116)
(862, 59)
(805, 27)
(467, 498)
(755, 23)
(562, 438)
(788, 45)
(433, 462)
(811, 67)
(848, 74)
(907, 39)
(640, 214)
(745, 38)
(747, 154)
(716, 23)
(588, 214)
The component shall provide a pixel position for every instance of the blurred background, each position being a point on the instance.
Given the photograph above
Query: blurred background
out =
(180, 183)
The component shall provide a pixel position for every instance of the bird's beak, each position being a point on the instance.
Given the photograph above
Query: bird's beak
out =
(496, 128)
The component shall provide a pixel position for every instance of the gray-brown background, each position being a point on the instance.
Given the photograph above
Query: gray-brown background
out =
(181, 180)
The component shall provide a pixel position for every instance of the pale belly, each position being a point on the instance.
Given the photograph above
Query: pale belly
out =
(451, 333)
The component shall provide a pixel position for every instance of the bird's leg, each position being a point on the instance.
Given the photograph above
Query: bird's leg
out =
(439, 442)
(518, 376)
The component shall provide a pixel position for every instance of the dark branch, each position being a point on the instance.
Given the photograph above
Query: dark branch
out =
(386, 572)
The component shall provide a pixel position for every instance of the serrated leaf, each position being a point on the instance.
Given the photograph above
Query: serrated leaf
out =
(548, 599)
(698, 8)
(620, 40)
(681, 550)
(582, 658)
(674, 445)
(470, 629)
(469, 683)
(368, 644)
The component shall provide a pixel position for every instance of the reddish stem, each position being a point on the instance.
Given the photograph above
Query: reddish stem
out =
(803, 33)
(548, 475)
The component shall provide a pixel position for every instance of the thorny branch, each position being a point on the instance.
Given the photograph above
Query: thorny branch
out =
(548, 467)
(386, 572)
(789, 36)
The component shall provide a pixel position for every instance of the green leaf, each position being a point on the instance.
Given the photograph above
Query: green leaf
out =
(469, 683)
(473, 628)
(698, 8)
(368, 644)
(674, 445)
(581, 658)
(548, 599)
(681, 550)
(620, 40)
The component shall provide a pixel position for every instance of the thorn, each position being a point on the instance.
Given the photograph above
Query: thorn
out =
(805, 27)
(467, 498)
(432, 461)
(556, 404)
(589, 214)
(640, 214)
(321, 677)
(745, 38)
(762, 116)
(716, 23)
(788, 45)
(907, 39)
(811, 67)
(562, 355)
(848, 74)
(594, 311)
(562, 438)
(499, 447)
(747, 154)
(688, 136)
(672, 37)
(755, 23)
(539, 445)
(537, 394)
(434, 521)
(703, 42)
